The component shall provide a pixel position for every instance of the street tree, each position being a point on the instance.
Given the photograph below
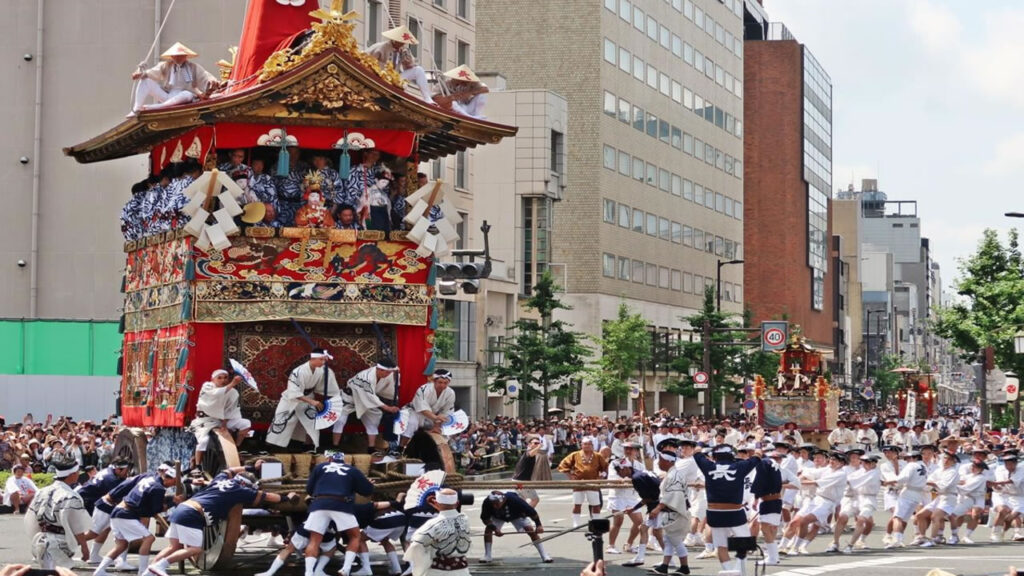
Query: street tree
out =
(626, 346)
(541, 355)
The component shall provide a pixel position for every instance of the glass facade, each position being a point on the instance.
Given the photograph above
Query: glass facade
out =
(536, 248)
(817, 170)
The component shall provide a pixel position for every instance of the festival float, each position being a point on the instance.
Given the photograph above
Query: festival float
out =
(213, 290)
(800, 393)
(917, 394)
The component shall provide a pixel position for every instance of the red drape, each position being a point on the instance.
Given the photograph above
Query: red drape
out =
(267, 24)
(206, 356)
(411, 342)
(161, 154)
(232, 135)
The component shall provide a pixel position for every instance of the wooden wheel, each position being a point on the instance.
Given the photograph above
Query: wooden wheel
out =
(130, 445)
(219, 542)
(221, 453)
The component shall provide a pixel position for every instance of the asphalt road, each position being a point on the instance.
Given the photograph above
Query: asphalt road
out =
(572, 551)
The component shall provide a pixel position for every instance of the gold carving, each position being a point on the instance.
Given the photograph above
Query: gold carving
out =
(333, 31)
(330, 93)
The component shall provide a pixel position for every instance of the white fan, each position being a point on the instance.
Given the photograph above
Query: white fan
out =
(436, 239)
(423, 487)
(201, 194)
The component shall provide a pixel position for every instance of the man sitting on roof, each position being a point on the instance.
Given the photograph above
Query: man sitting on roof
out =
(394, 49)
(172, 82)
(463, 93)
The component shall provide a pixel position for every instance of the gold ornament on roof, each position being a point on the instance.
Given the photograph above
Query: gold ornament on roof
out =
(225, 66)
(333, 31)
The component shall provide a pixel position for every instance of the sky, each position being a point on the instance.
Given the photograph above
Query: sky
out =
(928, 98)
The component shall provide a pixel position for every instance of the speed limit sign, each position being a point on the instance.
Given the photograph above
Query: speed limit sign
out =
(700, 380)
(773, 335)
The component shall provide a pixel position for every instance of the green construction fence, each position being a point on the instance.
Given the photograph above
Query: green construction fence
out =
(64, 347)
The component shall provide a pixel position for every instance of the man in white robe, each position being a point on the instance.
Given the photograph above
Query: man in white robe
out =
(431, 405)
(56, 520)
(439, 547)
(218, 407)
(174, 81)
(369, 394)
(298, 403)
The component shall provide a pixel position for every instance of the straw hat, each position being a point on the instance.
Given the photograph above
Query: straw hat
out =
(401, 34)
(462, 73)
(178, 49)
(254, 212)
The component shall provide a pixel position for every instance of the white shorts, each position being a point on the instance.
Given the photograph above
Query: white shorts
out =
(299, 542)
(699, 506)
(998, 499)
(588, 497)
(416, 421)
(806, 505)
(889, 500)
(620, 504)
(771, 519)
(720, 536)
(789, 497)
(945, 503)
(100, 520)
(319, 520)
(189, 537)
(822, 509)
(1015, 503)
(130, 530)
(905, 508)
(520, 524)
(849, 506)
(867, 504)
(233, 425)
(370, 420)
(384, 534)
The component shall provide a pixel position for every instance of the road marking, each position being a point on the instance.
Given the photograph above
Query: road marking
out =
(845, 566)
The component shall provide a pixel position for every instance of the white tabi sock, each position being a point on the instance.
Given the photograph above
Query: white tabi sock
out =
(143, 564)
(773, 551)
(577, 519)
(487, 550)
(709, 546)
(321, 562)
(969, 532)
(124, 555)
(364, 557)
(540, 548)
(396, 566)
(94, 552)
(311, 565)
(104, 563)
(350, 557)
(641, 552)
(274, 566)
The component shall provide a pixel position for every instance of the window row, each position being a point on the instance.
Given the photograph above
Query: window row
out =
(658, 33)
(461, 7)
(670, 88)
(657, 226)
(640, 272)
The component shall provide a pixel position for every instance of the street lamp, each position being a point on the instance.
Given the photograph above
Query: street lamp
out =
(718, 282)
(1018, 343)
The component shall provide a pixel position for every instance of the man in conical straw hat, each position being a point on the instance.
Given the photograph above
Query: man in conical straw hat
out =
(394, 49)
(466, 93)
(176, 80)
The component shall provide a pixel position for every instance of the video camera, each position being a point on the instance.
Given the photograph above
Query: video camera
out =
(465, 499)
(596, 528)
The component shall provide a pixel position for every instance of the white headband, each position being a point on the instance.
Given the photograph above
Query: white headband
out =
(321, 355)
(447, 497)
(667, 456)
(218, 372)
(66, 473)
(388, 368)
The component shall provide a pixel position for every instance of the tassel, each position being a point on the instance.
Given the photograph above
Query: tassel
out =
(186, 305)
(179, 408)
(283, 160)
(431, 364)
(120, 364)
(124, 283)
(344, 162)
(432, 276)
(120, 325)
(151, 360)
(190, 269)
(434, 317)
(182, 358)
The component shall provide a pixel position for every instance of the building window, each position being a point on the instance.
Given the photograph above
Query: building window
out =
(609, 211)
(610, 5)
(677, 185)
(698, 239)
(664, 180)
(664, 229)
(687, 282)
(652, 28)
(638, 272)
(373, 22)
(414, 29)
(625, 60)
(610, 103)
(663, 131)
(462, 53)
(651, 272)
(737, 210)
(608, 265)
(677, 233)
(638, 68)
(652, 125)
(625, 10)
(437, 169)
(638, 169)
(677, 92)
(440, 46)
(624, 161)
(737, 293)
(698, 284)
(687, 236)
(638, 220)
(677, 138)
(663, 277)
(536, 247)
(609, 157)
(687, 190)
(818, 290)
(462, 9)
(698, 194)
(638, 118)
(624, 266)
(652, 77)
(652, 175)
(610, 51)
(624, 216)
(652, 225)
(677, 280)
(557, 152)
(638, 19)
(456, 331)
(461, 170)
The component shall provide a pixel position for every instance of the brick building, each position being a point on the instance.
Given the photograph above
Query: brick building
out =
(654, 174)
(788, 174)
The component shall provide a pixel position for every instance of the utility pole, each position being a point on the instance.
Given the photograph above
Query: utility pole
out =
(709, 409)
(982, 393)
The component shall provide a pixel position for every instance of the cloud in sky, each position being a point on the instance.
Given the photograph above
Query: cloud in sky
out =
(1008, 157)
(935, 25)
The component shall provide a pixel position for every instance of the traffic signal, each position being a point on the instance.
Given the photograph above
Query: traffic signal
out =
(465, 275)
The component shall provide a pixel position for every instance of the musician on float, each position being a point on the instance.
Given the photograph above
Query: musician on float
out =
(299, 403)
(394, 50)
(463, 92)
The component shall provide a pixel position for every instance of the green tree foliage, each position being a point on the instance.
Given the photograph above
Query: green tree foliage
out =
(625, 344)
(886, 381)
(990, 310)
(541, 356)
(731, 363)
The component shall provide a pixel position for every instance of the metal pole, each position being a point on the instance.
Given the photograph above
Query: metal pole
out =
(718, 287)
(706, 366)
(982, 395)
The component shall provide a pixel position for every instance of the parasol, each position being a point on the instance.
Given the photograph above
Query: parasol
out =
(457, 423)
(244, 373)
(423, 487)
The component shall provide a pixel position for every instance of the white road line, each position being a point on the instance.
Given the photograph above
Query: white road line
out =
(845, 566)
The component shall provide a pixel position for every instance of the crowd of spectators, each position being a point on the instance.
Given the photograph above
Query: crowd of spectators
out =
(35, 445)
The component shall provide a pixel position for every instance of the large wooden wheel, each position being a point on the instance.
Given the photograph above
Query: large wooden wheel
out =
(221, 453)
(130, 445)
(219, 542)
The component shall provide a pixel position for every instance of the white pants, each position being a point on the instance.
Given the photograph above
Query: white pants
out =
(100, 520)
(720, 536)
(128, 529)
(187, 536)
(417, 76)
(588, 497)
(233, 425)
(474, 108)
(416, 421)
(370, 420)
(520, 524)
(149, 88)
(319, 520)
(52, 550)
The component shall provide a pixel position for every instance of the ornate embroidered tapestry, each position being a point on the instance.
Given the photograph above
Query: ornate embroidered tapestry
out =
(155, 377)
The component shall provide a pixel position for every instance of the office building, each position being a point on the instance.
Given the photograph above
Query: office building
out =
(654, 176)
